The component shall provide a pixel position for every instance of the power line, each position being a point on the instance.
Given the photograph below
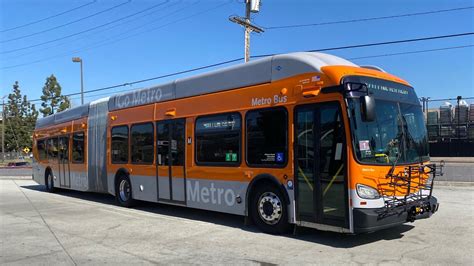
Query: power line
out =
(66, 24)
(412, 52)
(370, 19)
(385, 43)
(236, 60)
(87, 30)
(102, 43)
(47, 18)
(35, 51)
(150, 79)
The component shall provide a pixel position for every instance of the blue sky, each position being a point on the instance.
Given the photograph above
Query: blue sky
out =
(179, 35)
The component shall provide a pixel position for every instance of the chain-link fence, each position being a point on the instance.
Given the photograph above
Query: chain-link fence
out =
(14, 156)
(450, 126)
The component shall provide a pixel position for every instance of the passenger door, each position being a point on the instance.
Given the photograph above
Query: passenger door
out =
(171, 177)
(320, 167)
(63, 160)
(53, 161)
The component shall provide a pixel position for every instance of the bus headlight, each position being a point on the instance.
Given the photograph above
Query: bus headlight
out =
(367, 192)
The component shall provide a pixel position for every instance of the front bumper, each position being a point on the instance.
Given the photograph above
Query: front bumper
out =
(369, 220)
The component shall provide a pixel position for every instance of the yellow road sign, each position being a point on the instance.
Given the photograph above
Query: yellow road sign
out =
(26, 149)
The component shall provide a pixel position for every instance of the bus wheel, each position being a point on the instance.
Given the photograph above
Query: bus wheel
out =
(123, 192)
(269, 210)
(49, 182)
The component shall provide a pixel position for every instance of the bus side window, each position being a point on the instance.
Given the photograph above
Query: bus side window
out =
(53, 148)
(119, 146)
(78, 147)
(218, 139)
(141, 143)
(40, 145)
(267, 137)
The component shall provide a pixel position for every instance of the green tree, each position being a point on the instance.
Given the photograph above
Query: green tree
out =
(20, 120)
(52, 99)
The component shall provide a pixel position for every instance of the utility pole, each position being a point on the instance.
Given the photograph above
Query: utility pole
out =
(251, 6)
(247, 32)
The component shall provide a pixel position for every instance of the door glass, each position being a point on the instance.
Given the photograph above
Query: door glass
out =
(162, 131)
(177, 143)
(305, 161)
(64, 149)
(331, 165)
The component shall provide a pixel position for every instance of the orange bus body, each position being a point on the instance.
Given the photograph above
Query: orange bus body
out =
(231, 188)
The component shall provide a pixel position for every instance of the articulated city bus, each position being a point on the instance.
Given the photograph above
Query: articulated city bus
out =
(307, 139)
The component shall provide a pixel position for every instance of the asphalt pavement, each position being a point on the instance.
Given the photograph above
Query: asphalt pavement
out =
(86, 228)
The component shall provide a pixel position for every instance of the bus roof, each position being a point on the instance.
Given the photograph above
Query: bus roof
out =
(64, 116)
(265, 70)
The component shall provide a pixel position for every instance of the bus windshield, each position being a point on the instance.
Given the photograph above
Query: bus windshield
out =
(398, 133)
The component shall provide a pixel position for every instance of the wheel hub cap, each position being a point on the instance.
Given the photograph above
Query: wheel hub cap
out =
(270, 208)
(124, 190)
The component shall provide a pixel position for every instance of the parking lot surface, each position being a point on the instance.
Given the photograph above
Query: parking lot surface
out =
(70, 227)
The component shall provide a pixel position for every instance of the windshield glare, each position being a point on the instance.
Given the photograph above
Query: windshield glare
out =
(398, 133)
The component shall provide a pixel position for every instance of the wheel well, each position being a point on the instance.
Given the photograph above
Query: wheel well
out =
(46, 172)
(120, 172)
(263, 180)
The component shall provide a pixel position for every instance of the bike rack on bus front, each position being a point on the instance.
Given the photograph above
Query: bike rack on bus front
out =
(398, 192)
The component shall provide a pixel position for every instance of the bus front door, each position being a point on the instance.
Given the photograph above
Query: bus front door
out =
(170, 160)
(320, 167)
(63, 160)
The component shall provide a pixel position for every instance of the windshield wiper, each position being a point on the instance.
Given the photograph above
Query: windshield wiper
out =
(399, 153)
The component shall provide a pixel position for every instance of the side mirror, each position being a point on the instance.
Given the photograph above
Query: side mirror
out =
(368, 108)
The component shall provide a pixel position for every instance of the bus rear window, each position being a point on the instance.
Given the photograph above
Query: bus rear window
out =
(78, 147)
(218, 139)
(267, 131)
(119, 148)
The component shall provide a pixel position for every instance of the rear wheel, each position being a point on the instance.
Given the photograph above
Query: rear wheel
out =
(49, 182)
(123, 192)
(269, 210)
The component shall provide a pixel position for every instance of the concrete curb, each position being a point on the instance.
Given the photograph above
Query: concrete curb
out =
(453, 184)
(16, 178)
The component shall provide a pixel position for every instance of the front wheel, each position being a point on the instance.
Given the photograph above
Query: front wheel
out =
(123, 192)
(49, 182)
(269, 210)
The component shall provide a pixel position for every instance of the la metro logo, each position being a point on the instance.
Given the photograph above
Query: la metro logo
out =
(139, 98)
(213, 195)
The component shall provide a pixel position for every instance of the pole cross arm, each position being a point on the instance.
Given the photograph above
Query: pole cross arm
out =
(245, 23)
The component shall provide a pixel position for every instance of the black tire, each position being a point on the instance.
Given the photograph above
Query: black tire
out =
(269, 209)
(123, 192)
(49, 182)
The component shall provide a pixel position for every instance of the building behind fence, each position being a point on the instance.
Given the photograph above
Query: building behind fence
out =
(451, 129)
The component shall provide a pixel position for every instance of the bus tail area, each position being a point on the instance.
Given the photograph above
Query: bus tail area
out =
(305, 139)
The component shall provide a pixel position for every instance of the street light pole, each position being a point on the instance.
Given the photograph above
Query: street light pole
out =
(3, 129)
(79, 60)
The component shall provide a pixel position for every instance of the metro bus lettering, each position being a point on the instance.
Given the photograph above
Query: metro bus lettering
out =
(267, 101)
(213, 195)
